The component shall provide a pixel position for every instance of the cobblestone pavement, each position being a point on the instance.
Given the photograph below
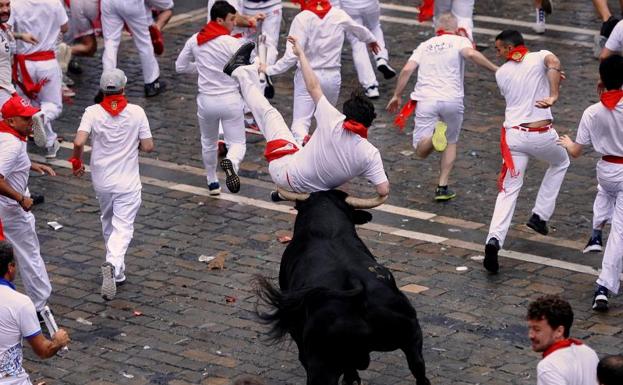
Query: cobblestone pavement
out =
(171, 323)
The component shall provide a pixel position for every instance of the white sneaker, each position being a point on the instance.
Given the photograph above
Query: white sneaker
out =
(539, 25)
(372, 92)
(67, 92)
(38, 129)
(52, 150)
(109, 287)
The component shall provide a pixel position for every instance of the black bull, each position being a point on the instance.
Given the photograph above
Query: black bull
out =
(335, 300)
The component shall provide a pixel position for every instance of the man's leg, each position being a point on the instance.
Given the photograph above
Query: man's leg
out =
(208, 116)
(112, 27)
(50, 97)
(425, 118)
(233, 129)
(137, 23)
(612, 264)
(451, 114)
(361, 58)
(125, 209)
(463, 10)
(601, 6)
(303, 109)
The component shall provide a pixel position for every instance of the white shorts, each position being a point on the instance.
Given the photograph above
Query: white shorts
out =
(429, 112)
(85, 18)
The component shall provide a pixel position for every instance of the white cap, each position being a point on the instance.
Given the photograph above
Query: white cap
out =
(113, 80)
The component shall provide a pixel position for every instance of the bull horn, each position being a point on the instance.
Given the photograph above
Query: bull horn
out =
(366, 203)
(291, 196)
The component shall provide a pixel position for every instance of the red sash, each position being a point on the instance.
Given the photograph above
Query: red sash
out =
(406, 111)
(319, 7)
(278, 148)
(517, 54)
(440, 32)
(613, 159)
(561, 345)
(1, 231)
(356, 127)
(610, 99)
(114, 104)
(9, 130)
(76, 163)
(211, 31)
(426, 10)
(30, 88)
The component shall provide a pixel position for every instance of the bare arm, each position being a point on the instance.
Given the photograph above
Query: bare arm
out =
(311, 81)
(383, 188)
(478, 58)
(146, 145)
(552, 66)
(403, 79)
(9, 192)
(574, 149)
(45, 348)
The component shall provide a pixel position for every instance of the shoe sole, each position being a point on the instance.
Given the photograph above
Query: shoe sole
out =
(214, 192)
(52, 156)
(161, 89)
(109, 287)
(387, 72)
(440, 142)
(593, 249)
(540, 231)
(491, 259)
(231, 180)
(444, 198)
(38, 130)
(600, 305)
(244, 50)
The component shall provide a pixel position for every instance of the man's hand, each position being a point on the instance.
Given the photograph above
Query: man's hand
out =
(26, 203)
(42, 169)
(28, 38)
(374, 47)
(262, 68)
(61, 338)
(546, 103)
(77, 167)
(296, 47)
(255, 18)
(394, 104)
(565, 141)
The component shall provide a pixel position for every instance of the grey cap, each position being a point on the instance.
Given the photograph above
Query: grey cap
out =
(113, 80)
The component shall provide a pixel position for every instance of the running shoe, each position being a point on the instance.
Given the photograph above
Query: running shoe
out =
(537, 224)
(440, 142)
(491, 256)
(232, 181)
(594, 245)
(444, 194)
(109, 287)
(600, 299)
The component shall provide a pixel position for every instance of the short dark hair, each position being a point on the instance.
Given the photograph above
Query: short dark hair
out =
(611, 72)
(6, 257)
(610, 370)
(359, 108)
(510, 36)
(555, 310)
(221, 9)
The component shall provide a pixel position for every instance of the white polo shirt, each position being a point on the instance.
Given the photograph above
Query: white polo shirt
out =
(615, 41)
(522, 84)
(574, 365)
(14, 166)
(115, 141)
(18, 320)
(333, 155)
(602, 128)
(42, 18)
(208, 60)
(440, 68)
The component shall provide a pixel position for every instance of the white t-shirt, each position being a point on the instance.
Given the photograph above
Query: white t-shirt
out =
(615, 41)
(333, 155)
(208, 60)
(522, 84)
(260, 4)
(42, 18)
(7, 49)
(115, 141)
(18, 319)
(14, 166)
(321, 39)
(575, 365)
(354, 4)
(602, 128)
(440, 68)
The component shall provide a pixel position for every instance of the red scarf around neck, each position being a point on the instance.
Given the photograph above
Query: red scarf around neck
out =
(4, 127)
(114, 104)
(319, 7)
(561, 345)
(210, 31)
(356, 127)
(440, 32)
(611, 98)
(518, 53)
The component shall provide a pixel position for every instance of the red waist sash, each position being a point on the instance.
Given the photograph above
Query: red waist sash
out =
(30, 88)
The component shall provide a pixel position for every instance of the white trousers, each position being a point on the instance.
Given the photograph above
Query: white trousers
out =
(463, 10)
(19, 230)
(114, 14)
(603, 207)
(429, 112)
(270, 28)
(226, 110)
(523, 145)
(610, 178)
(50, 98)
(304, 106)
(118, 213)
(369, 17)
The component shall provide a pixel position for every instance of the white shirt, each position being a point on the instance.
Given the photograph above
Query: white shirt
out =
(615, 41)
(115, 141)
(321, 39)
(602, 128)
(440, 68)
(333, 155)
(14, 166)
(18, 319)
(522, 84)
(575, 365)
(354, 4)
(208, 60)
(260, 4)
(7, 49)
(42, 18)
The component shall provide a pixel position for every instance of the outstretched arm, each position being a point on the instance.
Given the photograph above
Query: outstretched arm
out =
(478, 58)
(552, 66)
(311, 81)
(403, 79)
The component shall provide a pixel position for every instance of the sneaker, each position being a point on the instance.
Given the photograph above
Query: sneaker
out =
(275, 197)
(109, 287)
(383, 66)
(599, 42)
(491, 256)
(214, 188)
(440, 142)
(372, 92)
(67, 92)
(231, 180)
(241, 58)
(38, 129)
(50, 152)
(594, 245)
(156, 39)
(155, 88)
(537, 224)
(68, 81)
(222, 148)
(444, 194)
(548, 6)
(74, 67)
(539, 25)
(600, 299)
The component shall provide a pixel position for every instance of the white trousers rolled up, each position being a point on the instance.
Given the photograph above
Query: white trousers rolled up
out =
(114, 14)
(610, 178)
(19, 230)
(118, 211)
(228, 111)
(523, 145)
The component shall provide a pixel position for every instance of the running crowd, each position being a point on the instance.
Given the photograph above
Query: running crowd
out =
(235, 58)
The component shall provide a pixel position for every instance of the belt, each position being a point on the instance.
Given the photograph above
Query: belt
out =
(613, 159)
(534, 129)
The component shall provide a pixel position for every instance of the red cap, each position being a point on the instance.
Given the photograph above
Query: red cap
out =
(16, 106)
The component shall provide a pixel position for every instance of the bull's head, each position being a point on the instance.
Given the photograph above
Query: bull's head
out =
(356, 203)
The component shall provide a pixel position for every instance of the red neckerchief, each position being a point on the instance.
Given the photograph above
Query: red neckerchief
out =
(561, 345)
(210, 31)
(426, 10)
(517, 54)
(114, 104)
(356, 127)
(9, 130)
(440, 32)
(611, 98)
(319, 7)
(406, 111)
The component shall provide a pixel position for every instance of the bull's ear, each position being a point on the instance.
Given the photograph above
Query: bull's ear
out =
(360, 217)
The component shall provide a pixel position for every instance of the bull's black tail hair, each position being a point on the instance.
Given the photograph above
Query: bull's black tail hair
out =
(288, 306)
